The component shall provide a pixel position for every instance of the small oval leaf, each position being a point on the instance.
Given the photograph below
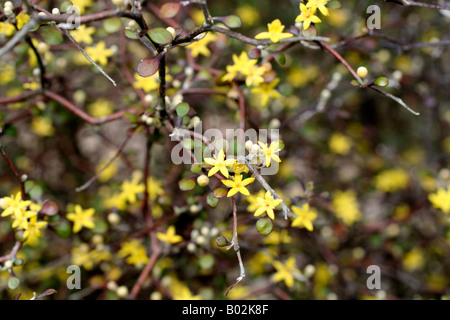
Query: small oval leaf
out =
(264, 226)
(232, 21)
(381, 82)
(170, 9)
(13, 283)
(334, 4)
(182, 109)
(221, 241)
(186, 184)
(148, 66)
(160, 36)
(212, 201)
(220, 193)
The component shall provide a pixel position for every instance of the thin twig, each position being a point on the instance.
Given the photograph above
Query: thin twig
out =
(79, 47)
(19, 178)
(118, 152)
(235, 245)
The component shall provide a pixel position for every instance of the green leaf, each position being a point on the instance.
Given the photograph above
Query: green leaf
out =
(133, 118)
(231, 21)
(207, 261)
(196, 168)
(280, 58)
(160, 36)
(221, 241)
(51, 36)
(381, 82)
(13, 283)
(170, 9)
(100, 226)
(112, 25)
(212, 201)
(264, 226)
(186, 184)
(182, 109)
(131, 34)
(63, 230)
(220, 193)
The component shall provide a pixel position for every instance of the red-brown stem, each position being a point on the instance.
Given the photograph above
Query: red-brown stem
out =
(83, 115)
(13, 252)
(343, 61)
(21, 97)
(14, 171)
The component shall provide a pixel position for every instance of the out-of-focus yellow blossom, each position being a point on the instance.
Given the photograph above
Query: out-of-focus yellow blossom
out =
(275, 32)
(277, 238)
(82, 4)
(402, 211)
(238, 168)
(285, 272)
(99, 53)
(101, 108)
(81, 218)
(446, 144)
(248, 15)
(170, 236)
(81, 257)
(42, 126)
(441, 199)
(299, 77)
(345, 204)
(83, 34)
(32, 232)
(247, 67)
(7, 29)
(427, 182)
(198, 16)
(414, 260)
(201, 47)
(307, 16)
(117, 200)
(31, 85)
(305, 217)
(258, 261)
(339, 18)
(135, 253)
(131, 189)
(391, 180)
(7, 72)
(107, 173)
(267, 204)
(436, 282)
(238, 293)
(154, 187)
(147, 84)
(340, 144)
(22, 18)
(266, 91)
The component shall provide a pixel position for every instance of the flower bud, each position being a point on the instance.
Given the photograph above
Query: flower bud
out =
(362, 72)
(203, 180)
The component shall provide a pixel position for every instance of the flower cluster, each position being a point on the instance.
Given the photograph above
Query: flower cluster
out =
(25, 217)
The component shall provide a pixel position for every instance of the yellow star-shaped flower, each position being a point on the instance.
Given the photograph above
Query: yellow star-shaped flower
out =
(219, 164)
(319, 4)
(267, 204)
(169, 236)
(305, 217)
(269, 152)
(441, 199)
(81, 218)
(285, 272)
(238, 185)
(307, 16)
(275, 33)
(99, 53)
